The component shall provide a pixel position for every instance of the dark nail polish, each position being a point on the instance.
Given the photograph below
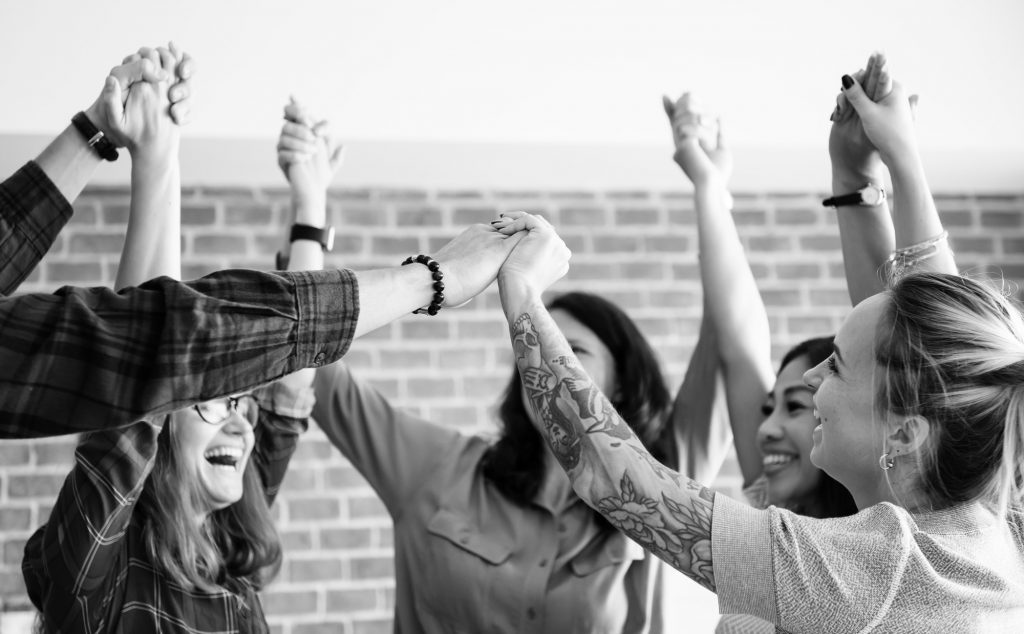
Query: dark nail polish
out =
(847, 82)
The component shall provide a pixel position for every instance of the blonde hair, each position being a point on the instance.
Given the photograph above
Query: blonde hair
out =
(951, 350)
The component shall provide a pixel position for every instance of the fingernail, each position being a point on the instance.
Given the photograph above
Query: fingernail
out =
(494, 222)
(847, 82)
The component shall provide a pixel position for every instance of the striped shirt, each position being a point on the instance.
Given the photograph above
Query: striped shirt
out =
(82, 358)
(88, 568)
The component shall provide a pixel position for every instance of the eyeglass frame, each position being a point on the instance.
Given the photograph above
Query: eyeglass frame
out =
(233, 402)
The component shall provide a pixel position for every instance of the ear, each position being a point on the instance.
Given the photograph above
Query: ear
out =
(908, 435)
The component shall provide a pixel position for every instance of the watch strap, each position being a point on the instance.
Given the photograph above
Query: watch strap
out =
(323, 235)
(94, 137)
(868, 196)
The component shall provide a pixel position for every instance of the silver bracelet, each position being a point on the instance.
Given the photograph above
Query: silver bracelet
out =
(902, 261)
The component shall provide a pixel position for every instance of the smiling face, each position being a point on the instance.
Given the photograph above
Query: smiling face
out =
(784, 439)
(216, 454)
(849, 438)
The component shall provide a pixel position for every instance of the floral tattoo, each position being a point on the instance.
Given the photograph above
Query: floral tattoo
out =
(655, 506)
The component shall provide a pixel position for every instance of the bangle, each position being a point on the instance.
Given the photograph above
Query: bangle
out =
(94, 137)
(435, 271)
(902, 260)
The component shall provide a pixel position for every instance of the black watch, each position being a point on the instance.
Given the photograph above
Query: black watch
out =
(870, 195)
(325, 235)
(94, 137)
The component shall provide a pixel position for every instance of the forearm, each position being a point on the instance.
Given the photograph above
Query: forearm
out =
(69, 162)
(84, 359)
(915, 216)
(388, 294)
(153, 242)
(609, 467)
(865, 233)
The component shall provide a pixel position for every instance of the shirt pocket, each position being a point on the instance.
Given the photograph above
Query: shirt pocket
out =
(468, 576)
(611, 552)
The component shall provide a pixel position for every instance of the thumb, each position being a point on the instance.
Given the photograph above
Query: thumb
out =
(855, 95)
(111, 97)
(670, 108)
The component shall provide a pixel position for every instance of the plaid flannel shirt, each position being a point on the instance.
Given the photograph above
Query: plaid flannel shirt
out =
(88, 569)
(80, 359)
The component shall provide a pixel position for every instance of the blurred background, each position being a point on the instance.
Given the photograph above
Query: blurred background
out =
(454, 111)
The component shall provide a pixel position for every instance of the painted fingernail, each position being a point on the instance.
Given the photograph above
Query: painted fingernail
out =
(847, 82)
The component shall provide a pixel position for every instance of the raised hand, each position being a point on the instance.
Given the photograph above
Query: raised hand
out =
(855, 159)
(470, 262)
(887, 121)
(700, 144)
(307, 155)
(541, 257)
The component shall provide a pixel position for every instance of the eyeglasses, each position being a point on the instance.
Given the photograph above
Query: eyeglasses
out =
(217, 411)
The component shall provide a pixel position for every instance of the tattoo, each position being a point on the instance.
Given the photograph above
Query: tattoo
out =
(668, 515)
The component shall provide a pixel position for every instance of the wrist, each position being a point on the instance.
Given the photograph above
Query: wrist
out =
(155, 155)
(516, 292)
(310, 210)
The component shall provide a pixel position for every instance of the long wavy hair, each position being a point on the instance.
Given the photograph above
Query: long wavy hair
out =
(515, 463)
(234, 547)
(831, 498)
(951, 351)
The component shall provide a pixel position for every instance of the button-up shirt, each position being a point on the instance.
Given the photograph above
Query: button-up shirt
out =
(89, 570)
(81, 358)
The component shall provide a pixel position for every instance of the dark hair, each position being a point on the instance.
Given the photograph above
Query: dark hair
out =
(234, 547)
(833, 500)
(952, 351)
(515, 463)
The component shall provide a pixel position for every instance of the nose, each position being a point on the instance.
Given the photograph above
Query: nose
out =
(770, 429)
(812, 377)
(236, 424)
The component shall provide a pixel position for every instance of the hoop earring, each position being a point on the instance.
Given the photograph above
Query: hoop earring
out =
(885, 462)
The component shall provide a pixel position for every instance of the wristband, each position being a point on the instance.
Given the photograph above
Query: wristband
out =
(435, 272)
(868, 196)
(325, 235)
(94, 137)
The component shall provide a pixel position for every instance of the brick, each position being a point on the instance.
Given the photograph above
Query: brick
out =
(430, 388)
(15, 518)
(769, 244)
(220, 245)
(360, 216)
(683, 218)
(366, 507)
(396, 246)
(402, 195)
(958, 218)
(749, 217)
(461, 359)
(1001, 219)
(982, 245)
(810, 326)
(114, 214)
(666, 244)
(797, 216)
(1011, 246)
(465, 416)
(313, 509)
(300, 478)
(387, 387)
(798, 271)
(425, 329)
(463, 216)
(11, 583)
(591, 271)
(686, 271)
(460, 194)
(418, 217)
(323, 568)
(627, 195)
(643, 271)
(348, 193)
(484, 386)
(73, 272)
(346, 539)
(492, 330)
(344, 478)
(296, 539)
(820, 243)
(372, 567)
(248, 214)
(13, 454)
(276, 601)
(198, 214)
(616, 244)
(780, 297)
(821, 298)
(376, 626)
(97, 243)
(404, 359)
(14, 550)
(673, 299)
(584, 216)
(83, 216)
(37, 485)
(313, 449)
(636, 216)
(354, 600)
(55, 452)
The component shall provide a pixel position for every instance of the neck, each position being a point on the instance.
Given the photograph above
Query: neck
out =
(896, 487)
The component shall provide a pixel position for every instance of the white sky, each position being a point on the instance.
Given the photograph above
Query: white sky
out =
(537, 71)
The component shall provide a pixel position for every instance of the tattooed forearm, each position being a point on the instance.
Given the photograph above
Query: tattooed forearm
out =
(611, 469)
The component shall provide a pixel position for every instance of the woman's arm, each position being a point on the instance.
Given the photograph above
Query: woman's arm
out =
(733, 308)
(610, 469)
(153, 244)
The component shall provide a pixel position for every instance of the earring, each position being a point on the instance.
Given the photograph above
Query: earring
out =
(885, 462)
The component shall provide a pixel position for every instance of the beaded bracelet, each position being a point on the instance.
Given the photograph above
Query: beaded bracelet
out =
(903, 260)
(435, 271)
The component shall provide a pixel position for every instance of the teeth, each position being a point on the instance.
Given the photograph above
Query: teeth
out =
(777, 458)
(232, 452)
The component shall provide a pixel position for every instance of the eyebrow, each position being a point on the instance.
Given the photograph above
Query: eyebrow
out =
(839, 355)
(789, 391)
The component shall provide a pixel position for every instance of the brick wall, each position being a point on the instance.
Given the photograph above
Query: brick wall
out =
(637, 248)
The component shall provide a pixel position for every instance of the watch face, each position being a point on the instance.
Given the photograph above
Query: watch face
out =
(872, 195)
(329, 239)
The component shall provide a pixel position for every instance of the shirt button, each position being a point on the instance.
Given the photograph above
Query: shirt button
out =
(531, 614)
(463, 540)
(319, 359)
(561, 527)
(543, 563)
